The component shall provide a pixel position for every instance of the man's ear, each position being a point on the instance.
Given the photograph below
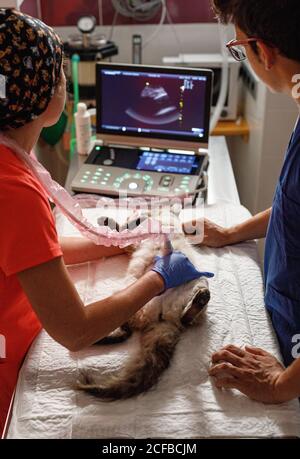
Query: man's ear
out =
(267, 54)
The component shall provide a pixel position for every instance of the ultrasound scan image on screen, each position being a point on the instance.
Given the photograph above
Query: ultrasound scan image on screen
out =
(148, 102)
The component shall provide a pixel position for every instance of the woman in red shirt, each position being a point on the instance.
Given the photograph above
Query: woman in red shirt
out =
(35, 288)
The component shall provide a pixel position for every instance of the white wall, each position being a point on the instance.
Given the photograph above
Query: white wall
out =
(192, 38)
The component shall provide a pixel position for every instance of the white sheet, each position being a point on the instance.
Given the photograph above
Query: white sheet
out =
(184, 404)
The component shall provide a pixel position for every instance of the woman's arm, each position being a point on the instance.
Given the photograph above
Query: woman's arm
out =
(62, 313)
(81, 250)
(57, 304)
(217, 236)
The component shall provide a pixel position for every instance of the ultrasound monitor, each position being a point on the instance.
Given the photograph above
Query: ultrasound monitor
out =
(157, 103)
(152, 131)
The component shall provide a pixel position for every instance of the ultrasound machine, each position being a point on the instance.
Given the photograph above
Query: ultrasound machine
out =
(152, 132)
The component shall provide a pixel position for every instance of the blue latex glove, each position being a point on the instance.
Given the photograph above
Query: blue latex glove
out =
(176, 269)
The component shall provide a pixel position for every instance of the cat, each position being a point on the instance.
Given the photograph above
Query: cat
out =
(160, 323)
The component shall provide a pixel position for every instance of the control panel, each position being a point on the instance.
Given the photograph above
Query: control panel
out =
(111, 170)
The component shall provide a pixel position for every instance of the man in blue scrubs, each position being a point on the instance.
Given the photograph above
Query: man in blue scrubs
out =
(268, 34)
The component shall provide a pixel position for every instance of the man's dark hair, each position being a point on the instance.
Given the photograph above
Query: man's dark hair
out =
(275, 22)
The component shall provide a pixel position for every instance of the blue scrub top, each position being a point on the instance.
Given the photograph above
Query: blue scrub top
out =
(282, 253)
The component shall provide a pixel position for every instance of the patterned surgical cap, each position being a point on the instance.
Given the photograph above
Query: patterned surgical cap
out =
(30, 66)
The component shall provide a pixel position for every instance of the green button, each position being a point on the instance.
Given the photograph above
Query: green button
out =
(108, 174)
(98, 148)
(98, 174)
(100, 169)
(83, 181)
(149, 180)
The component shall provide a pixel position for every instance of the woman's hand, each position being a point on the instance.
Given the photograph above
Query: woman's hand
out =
(176, 269)
(252, 371)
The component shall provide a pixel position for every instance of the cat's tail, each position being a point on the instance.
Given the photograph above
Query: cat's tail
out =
(158, 343)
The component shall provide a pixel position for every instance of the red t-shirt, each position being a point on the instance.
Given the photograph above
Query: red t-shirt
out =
(27, 238)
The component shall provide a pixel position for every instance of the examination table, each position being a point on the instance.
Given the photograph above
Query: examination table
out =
(185, 403)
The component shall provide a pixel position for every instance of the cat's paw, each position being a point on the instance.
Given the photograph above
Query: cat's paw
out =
(196, 306)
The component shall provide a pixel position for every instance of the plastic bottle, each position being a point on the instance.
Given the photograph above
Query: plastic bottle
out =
(83, 129)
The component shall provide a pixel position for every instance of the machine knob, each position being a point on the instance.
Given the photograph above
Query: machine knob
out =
(133, 184)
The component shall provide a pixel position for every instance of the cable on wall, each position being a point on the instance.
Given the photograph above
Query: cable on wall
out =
(142, 10)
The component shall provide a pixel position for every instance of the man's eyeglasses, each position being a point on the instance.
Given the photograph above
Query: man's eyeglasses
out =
(237, 48)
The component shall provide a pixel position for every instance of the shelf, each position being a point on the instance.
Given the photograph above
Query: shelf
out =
(233, 128)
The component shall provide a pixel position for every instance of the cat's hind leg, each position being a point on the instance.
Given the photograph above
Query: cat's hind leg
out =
(119, 335)
(197, 304)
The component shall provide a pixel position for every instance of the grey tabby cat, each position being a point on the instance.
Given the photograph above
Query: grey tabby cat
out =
(160, 324)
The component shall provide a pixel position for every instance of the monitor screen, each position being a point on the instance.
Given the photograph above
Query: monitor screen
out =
(154, 101)
(168, 163)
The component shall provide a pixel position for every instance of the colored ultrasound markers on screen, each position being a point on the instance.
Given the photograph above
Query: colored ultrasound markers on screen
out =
(153, 103)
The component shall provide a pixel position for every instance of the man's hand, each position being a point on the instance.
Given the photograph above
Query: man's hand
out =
(215, 236)
(211, 235)
(252, 371)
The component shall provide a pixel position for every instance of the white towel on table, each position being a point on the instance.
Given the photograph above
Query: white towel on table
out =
(185, 403)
